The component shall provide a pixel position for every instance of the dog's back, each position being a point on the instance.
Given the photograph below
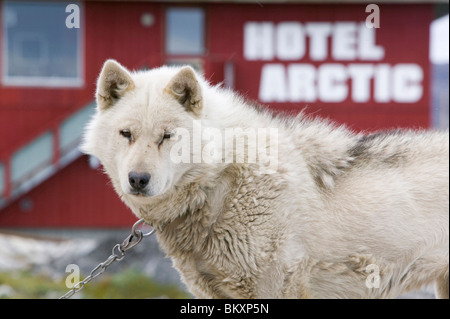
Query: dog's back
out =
(387, 207)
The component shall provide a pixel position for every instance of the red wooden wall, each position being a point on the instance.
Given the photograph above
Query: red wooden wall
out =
(403, 34)
(110, 30)
(77, 196)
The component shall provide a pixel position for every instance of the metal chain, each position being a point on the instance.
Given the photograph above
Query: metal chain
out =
(118, 253)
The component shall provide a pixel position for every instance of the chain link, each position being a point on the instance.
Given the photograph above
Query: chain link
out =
(118, 253)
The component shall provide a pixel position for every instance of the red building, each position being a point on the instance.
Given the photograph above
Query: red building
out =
(364, 66)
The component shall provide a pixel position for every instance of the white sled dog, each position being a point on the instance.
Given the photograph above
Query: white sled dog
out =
(254, 205)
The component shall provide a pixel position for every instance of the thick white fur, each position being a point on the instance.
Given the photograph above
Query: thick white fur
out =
(341, 208)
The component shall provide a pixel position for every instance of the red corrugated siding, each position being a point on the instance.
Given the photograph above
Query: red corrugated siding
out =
(404, 33)
(77, 196)
(111, 30)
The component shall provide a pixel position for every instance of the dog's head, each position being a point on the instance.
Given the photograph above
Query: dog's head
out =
(135, 127)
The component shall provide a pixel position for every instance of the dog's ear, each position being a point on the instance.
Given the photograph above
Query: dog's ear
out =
(184, 87)
(113, 82)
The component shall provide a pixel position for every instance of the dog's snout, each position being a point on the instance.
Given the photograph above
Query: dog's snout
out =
(138, 181)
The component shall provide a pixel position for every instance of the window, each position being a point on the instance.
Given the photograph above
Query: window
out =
(71, 129)
(38, 48)
(185, 31)
(32, 158)
(196, 64)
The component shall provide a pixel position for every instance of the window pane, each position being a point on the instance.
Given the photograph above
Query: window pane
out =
(38, 46)
(72, 129)
(185, 31)
(32, 157)
(196, 64)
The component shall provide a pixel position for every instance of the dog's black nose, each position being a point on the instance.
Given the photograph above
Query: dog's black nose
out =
(138, 181)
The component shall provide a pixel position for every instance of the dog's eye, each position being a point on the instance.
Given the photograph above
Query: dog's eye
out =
(126, 134)
(166, 136)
